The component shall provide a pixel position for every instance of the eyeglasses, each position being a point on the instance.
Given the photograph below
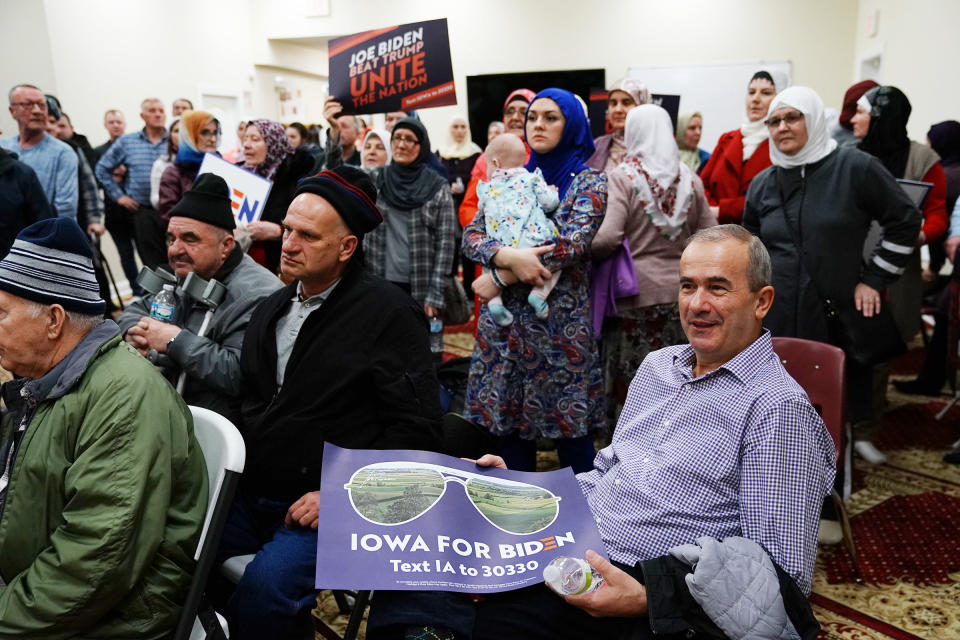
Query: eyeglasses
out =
(207, 133)
(791, 119)
(403, 140)
(29, 106)
(392, 493)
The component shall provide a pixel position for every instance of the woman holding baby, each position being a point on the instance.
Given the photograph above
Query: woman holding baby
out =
(540, 377)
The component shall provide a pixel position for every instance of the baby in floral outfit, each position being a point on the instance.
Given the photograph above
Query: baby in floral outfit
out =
(514, 203)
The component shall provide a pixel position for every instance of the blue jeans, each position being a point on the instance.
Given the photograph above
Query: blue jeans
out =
(276, 593)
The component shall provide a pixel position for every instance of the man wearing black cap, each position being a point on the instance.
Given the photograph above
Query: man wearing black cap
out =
(200, 240)
(103, 489)
(337, 356)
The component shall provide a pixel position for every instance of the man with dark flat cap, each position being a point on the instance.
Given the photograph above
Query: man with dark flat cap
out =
(200, 240)
(337, 356)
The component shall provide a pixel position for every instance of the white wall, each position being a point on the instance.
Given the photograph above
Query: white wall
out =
(510, 36)
(920, 42)
(99, 54)
(27, 58)
(112, 53)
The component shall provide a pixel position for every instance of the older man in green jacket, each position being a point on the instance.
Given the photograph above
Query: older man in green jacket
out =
(102, 483)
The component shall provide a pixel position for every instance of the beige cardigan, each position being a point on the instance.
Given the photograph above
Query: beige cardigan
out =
(656, 259)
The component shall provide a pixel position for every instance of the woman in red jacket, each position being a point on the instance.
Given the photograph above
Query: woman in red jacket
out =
(740, 154)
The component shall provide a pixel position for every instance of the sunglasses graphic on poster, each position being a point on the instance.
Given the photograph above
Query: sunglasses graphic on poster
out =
(425, 521)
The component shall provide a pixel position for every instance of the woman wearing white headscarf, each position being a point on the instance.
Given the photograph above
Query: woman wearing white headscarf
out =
(624, 95)
(458, 154)
(812, 211)
(375, 151)
(689, 130)
(655, 202)
(743, 153)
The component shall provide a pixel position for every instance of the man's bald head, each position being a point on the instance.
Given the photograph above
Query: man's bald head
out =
(317, 244)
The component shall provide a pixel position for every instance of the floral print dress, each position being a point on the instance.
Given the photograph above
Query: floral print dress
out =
(542, 378)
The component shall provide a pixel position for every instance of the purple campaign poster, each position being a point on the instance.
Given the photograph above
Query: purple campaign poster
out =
(425, 521)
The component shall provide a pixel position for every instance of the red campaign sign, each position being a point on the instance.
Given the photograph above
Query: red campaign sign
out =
(392, 69)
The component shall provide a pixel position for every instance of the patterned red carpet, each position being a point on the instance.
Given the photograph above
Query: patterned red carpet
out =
(905, 517)
(457, 341)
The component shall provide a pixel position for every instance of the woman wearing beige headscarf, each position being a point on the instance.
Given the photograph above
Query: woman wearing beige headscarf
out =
(458, 154)
(689, 129)
(624, 95)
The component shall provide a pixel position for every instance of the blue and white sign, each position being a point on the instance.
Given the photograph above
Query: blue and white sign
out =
(248, 191)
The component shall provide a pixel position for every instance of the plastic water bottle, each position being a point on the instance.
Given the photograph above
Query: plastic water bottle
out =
(164, 304)
(571, 576)
(436, 336)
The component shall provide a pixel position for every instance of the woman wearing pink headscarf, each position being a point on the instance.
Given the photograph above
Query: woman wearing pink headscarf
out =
(268, 153)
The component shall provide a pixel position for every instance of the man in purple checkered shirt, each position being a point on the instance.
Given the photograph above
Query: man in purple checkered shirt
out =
(715, 439)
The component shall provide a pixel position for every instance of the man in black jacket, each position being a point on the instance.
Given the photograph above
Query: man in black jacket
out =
(337, 356)
(22, 200)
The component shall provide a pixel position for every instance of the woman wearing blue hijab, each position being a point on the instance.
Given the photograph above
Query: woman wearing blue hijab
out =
(562, 162)
(541, 378)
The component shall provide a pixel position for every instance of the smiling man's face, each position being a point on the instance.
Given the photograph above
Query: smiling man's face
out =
(720, 315)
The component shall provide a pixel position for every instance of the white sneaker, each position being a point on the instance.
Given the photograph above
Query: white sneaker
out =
(868, 452)
(830, 532)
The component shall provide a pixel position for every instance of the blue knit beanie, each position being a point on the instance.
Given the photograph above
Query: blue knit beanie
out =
(50, 262)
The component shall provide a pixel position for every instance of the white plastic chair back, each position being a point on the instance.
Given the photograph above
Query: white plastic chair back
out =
(223, 450)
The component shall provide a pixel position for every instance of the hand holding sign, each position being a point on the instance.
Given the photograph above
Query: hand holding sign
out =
(419, 520)
(489, 460)
(331, 110)
(261, 230)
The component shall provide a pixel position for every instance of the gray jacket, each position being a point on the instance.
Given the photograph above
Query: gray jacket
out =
(736, 584)
(212, 362)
